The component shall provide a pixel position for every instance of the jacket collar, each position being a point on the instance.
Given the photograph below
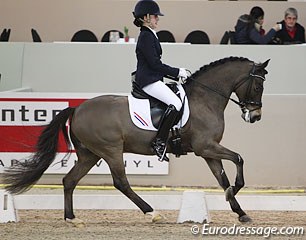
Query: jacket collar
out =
(143, 28)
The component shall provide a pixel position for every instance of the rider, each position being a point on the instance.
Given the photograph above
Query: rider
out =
(150, 71)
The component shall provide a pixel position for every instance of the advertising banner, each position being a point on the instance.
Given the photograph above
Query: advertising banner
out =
(22, 118)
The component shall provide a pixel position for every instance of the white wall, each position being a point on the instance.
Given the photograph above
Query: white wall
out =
(106, 67)
(11, 64)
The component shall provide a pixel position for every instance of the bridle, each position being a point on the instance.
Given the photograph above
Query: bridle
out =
(251, 77)
(246, 101)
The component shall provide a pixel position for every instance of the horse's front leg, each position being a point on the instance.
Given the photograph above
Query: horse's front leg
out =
(217, 151)
(231, 191)
(217, 169)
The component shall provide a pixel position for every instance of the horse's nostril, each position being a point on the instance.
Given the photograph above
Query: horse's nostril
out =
(255, 118)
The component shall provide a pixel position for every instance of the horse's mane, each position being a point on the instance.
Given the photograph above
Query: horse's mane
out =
(214, 64)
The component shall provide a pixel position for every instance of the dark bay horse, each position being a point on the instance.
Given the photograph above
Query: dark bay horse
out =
(101, 128)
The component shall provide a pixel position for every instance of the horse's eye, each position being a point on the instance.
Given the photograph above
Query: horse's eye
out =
(258, 87)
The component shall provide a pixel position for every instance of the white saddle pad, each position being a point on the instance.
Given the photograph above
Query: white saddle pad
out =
(141, 116)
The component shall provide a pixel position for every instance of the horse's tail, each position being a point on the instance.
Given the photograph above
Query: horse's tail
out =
(23, 176)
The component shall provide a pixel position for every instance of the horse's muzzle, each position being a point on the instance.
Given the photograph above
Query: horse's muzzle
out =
(251, 116)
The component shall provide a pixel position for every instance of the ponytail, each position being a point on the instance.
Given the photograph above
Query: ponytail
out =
(138, 22)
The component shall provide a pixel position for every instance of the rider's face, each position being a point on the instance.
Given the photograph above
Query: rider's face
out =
(152, 21)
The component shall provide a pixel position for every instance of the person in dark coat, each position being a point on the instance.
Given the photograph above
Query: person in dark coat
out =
(150, 71)
(249, 30)
(291, 32)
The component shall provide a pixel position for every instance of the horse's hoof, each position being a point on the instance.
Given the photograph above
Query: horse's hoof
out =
(157, 217)
(229, 193)
(245, 219)
(76, 222)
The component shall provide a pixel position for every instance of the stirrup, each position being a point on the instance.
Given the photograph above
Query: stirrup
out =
(160, 149)
(163, 157)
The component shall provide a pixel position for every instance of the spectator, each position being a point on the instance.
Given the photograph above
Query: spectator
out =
(291, 32)
(249, 30)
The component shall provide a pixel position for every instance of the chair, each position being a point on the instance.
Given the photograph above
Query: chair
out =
(165, 36)
(197, 37)
(84, 36)
(228, 37)
(225, 38)
(232, 37)
(5, 35)
(2, 36)
(105, 37)
(35, 36)
(8, 33)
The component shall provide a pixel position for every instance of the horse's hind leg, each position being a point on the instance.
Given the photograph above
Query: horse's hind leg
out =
(86, 160)
(217, 169)
(117, 168)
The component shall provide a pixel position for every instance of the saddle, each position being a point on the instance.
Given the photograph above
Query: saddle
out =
(155, 109)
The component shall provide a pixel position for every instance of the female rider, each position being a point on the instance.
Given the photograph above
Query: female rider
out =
(150, 71)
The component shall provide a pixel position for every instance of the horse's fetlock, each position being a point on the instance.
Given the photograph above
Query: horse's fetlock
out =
(240, 161)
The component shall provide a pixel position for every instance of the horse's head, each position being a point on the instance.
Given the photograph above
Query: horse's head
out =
(249, 91)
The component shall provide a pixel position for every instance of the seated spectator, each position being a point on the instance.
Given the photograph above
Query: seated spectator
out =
(248, 29)
(291, 32)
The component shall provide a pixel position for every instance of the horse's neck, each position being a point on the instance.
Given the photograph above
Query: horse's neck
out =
(213, 92)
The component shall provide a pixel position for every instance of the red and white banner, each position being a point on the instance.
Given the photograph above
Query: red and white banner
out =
(22, 116)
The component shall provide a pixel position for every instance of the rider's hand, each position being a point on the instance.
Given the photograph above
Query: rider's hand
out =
(183, 75)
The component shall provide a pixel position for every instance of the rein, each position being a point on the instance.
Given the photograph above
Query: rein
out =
(216, 91)
(241, 104)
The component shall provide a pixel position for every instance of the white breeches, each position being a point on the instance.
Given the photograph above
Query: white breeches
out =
(162, 92)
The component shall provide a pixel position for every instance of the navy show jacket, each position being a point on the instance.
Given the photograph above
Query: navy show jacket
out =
(150, 68)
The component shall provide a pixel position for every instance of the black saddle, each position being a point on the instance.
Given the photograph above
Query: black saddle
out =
(157, 107)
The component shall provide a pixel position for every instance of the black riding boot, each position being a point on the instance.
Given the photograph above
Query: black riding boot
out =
(159, 144)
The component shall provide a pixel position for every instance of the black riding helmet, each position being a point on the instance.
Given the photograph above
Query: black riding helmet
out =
(144, 7)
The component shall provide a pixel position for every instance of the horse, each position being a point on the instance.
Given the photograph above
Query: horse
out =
(101, 127)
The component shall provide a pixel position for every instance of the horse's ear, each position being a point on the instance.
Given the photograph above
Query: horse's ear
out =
(265, 64)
